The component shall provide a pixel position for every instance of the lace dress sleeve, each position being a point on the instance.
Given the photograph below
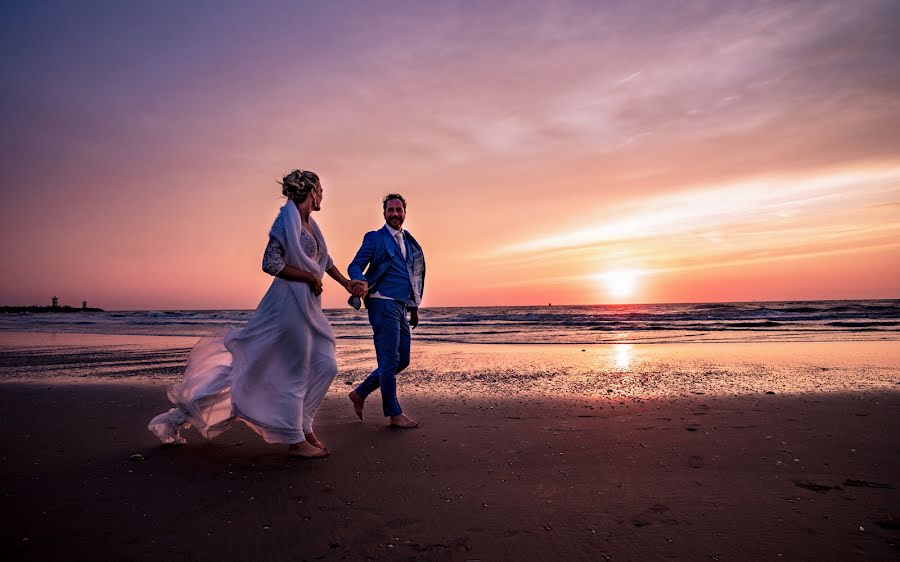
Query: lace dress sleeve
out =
(273, 257)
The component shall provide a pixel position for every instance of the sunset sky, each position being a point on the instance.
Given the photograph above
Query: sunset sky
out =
(565, 152)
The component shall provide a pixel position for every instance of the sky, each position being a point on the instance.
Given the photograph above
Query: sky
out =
(565, 152)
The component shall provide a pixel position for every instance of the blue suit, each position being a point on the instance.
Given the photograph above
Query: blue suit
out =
(402, 281)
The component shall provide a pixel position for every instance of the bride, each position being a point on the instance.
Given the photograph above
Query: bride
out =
(273, 373)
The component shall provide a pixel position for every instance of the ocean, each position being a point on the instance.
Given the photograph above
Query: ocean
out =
(808, 321)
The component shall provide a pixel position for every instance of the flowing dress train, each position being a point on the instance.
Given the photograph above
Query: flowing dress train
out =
(273, 373)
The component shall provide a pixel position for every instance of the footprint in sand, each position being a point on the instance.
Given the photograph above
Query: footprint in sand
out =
(657, 513)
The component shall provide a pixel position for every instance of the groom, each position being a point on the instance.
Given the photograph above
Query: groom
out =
(392, 285)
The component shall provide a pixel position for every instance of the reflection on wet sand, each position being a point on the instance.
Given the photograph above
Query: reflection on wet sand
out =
(622, 355)
(447, 369)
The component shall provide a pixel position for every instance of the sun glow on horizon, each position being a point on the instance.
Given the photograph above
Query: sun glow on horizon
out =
(620, 282)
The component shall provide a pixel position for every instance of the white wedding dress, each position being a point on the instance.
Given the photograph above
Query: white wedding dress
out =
(273, 373)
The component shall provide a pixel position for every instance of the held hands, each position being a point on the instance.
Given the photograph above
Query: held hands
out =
(358, 288)
(355, 288)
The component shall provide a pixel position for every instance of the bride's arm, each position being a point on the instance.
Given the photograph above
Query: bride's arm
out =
(291, 273)
(347, 284)
(273, 264)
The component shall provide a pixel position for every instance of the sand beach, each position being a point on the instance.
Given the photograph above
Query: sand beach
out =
(694, 451)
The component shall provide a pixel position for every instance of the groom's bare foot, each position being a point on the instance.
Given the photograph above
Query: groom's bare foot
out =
(403, 422)
(306, 450)
(358, 402)
(312, 440)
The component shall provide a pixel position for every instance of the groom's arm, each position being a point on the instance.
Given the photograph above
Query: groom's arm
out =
(363, 257)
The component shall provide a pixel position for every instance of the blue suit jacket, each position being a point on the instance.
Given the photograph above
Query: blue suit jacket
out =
(375, 254)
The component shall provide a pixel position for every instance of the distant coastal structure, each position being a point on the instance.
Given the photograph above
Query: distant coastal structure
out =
(54, 307)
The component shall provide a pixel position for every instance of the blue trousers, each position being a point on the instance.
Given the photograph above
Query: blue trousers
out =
(391, 329)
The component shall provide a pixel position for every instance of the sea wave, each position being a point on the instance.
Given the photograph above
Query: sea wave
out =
(541, 324)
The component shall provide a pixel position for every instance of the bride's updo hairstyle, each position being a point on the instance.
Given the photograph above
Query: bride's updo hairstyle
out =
(297, 184)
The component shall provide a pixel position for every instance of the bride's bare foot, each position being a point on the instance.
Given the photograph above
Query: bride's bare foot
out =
(312, 440)
(358, 402)
(403, 422)
(306, 450)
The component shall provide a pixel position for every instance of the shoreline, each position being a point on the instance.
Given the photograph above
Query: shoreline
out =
(477, 370)
(734, 337)
(13, 339)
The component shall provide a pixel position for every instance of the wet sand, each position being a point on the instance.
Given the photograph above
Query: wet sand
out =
(509, 463)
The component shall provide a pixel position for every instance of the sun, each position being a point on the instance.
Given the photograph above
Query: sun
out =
(621, 282)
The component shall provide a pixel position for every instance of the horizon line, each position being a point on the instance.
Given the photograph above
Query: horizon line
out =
(549, 305)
